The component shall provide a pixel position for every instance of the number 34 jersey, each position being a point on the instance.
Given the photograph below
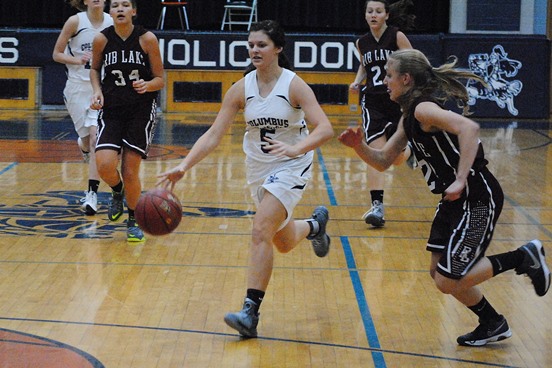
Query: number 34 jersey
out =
(272, 117)
(124, 62)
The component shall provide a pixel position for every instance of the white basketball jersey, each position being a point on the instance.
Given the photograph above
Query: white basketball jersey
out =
(272, 116)
(82, 42)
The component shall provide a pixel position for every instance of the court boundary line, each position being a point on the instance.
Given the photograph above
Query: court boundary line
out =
(8, 168)
(367, 321)
(224, 334)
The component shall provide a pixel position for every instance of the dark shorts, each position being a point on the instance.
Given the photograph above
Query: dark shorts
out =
(462, 230)
(130, 126)
(380, 116)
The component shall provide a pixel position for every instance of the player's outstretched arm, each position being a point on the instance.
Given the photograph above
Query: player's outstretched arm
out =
(233, 101)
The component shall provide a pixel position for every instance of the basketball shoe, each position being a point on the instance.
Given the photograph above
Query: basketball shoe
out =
(534, 266)
(115, 209)
(244, 321)
(374, 216)
(320, 241)
(90, 203)
(84, 150)
(134, 233)
(490, 331)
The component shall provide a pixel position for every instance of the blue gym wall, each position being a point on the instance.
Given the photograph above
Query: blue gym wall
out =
(517, 67)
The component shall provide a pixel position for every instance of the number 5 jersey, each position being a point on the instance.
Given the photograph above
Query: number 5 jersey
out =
(274, 117)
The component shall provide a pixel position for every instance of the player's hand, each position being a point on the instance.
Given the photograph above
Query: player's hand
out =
(97, 102)
(86, 57)
(169, 178)
(280, 149)
(351, 137)
(454, 191)
(354, 87)
(140, 86)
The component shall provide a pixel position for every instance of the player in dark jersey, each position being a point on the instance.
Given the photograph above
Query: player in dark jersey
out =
(380, 115)
(133, 74)
(451, 157)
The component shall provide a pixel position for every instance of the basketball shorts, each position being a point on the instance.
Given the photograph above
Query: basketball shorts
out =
(380, 116)
(130, 126)
(462, 230)
(287, 183)
(78, 96)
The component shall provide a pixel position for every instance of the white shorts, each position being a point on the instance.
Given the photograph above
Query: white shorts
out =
(77, 97)
(287, 183)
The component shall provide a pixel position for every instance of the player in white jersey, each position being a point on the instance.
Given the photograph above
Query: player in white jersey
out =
(279, 158)
(273, 117)
(74, 49)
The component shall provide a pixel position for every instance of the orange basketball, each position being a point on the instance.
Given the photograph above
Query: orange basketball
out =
(158, 211)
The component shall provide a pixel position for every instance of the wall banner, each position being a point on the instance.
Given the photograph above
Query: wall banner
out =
(516, 67)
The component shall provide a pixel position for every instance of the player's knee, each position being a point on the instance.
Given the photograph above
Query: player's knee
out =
(258, 235)
(445, 289)
(129, 176)
(104, 168)
(281, 246)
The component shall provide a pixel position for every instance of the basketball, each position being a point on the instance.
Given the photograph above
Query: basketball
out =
(158, 212)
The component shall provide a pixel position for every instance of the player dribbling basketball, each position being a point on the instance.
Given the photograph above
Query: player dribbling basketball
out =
(279, 148)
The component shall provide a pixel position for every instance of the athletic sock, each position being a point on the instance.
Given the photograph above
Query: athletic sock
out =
(314, 228)
(506, 261)
(484, 310)
(118, 188)
(93, 185)
(256, 296)
(376, 195)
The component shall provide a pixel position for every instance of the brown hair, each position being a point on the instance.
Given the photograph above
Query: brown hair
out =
(399, 15)
(441, 83)
(276, 33)
(78, 4)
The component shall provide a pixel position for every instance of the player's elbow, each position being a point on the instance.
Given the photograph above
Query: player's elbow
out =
(377, 161)
(325, 128)
(55, 57)
(380, 167)
(329, 133)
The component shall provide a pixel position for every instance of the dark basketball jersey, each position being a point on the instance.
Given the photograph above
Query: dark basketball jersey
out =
(438, 153)
(124, 62)
(374, 56)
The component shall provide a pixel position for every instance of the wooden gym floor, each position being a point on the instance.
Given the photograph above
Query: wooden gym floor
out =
(72, 290)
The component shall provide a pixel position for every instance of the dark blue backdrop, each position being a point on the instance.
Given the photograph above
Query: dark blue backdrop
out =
(517, 68)
(347, 16)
